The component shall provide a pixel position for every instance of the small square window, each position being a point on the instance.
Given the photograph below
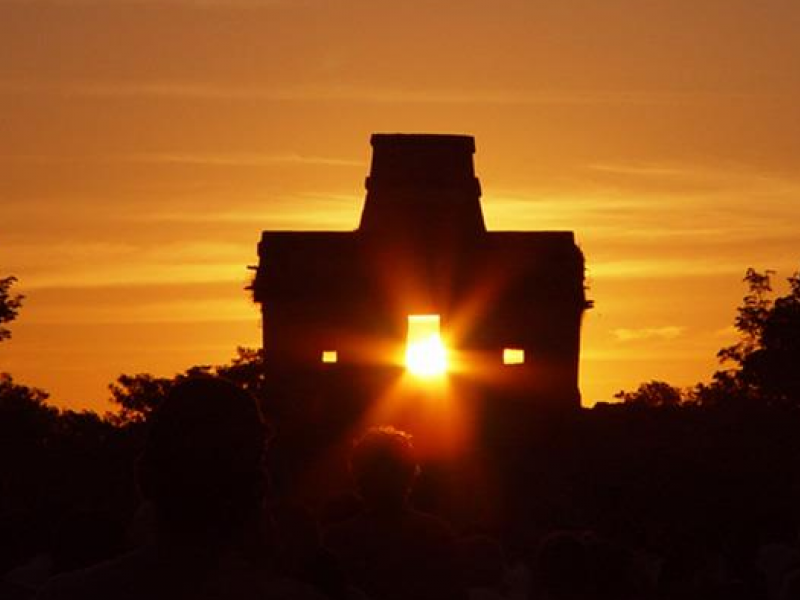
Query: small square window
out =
(330, 356)
(513, 356)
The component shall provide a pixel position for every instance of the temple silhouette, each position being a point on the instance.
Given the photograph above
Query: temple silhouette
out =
(339, 305)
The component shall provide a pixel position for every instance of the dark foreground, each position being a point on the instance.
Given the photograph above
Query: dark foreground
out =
(620, 501)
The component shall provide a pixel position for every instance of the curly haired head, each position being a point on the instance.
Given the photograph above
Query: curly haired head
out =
(384, 465)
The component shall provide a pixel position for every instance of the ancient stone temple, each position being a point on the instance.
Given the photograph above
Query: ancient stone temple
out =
(501, 309)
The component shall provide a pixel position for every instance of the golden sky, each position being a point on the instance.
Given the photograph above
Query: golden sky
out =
(144, 145)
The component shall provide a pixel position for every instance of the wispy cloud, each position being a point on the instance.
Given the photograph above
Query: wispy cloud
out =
(642, 169)
(662, 268)
(307, 211)
(241, 308)
(93, 264)
(232, 159)
(245, 159)
(139, 274)
(349, 93)
(223, 4)
(669, 332)
(650, 203)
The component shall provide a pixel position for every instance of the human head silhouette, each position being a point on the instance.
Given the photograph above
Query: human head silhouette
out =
(202, 466)
(384, 466)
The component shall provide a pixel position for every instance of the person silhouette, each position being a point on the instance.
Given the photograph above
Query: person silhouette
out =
(391, 550)
(202, 472)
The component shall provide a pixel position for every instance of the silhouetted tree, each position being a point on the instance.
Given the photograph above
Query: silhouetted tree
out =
(9, 305)
(25, 425)
(137, 396)
(24, 413)
(767, 355)
(653, 394)
(246, 369)
(724, 387)
(751, 318)
(17, 401)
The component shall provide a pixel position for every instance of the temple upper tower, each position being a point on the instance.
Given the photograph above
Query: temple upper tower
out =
(422, 181)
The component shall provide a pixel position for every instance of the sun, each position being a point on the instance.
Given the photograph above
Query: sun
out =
(426, 355)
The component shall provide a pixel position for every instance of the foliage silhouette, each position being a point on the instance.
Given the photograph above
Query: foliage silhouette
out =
(55, 464)
(751, 318)
(653, 394)
(768, 352)
(9, 305)
(137, 396)
(25, 417)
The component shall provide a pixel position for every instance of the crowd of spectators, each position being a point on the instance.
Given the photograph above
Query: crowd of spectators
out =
(208, 526)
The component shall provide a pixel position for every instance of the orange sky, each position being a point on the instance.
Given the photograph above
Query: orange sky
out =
(144, 144)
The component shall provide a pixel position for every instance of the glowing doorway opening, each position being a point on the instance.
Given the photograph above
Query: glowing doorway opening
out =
(425, 352)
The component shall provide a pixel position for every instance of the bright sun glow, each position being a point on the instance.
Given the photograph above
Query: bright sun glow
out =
(425, 352)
